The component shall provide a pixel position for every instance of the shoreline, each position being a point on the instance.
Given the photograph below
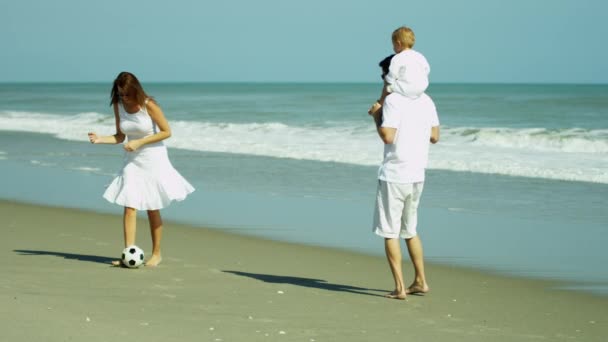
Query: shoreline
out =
(344, 208)
(239, 232)
(216, 285)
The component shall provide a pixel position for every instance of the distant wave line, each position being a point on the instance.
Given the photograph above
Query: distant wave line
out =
(569, 154)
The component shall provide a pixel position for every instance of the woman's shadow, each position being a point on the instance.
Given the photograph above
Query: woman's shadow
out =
(69, 256)
(307, 282)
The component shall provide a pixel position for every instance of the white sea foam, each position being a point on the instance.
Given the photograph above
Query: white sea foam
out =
(536, 139)
(87, 169)
(568, 154)
(37, 162)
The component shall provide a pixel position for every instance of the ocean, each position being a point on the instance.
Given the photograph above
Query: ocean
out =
(517, 185)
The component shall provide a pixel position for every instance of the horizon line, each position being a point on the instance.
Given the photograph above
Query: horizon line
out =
(307, 82)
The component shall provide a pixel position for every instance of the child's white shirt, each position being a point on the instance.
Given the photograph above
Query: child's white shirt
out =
(408, 74)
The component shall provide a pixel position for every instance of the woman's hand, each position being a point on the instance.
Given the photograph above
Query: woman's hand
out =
(93, 138)
(133, 145)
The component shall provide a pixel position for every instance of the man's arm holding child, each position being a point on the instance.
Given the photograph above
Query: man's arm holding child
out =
(434, 134)
(387, 134)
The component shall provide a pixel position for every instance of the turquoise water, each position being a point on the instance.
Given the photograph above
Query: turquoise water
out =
(518, 183)
(541, 131)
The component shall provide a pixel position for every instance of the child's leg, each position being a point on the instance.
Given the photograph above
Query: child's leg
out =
(156, 231)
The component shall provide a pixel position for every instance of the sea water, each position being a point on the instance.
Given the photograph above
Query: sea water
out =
(518, 183)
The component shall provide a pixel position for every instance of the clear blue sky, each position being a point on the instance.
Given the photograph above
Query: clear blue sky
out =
(537, 41)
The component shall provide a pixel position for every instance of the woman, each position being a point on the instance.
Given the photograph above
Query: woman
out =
(147, 180)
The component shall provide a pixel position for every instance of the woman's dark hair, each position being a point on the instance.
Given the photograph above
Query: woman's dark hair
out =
(384, 64)
(127, 83)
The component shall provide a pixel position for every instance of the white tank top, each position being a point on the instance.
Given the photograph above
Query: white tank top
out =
(136, 125)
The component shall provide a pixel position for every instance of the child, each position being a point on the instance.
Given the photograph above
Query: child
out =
(147, 180)
(408, 71)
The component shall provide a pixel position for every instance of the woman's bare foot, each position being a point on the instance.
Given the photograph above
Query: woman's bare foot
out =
(417, 289)
(396, 295)
(154, 260)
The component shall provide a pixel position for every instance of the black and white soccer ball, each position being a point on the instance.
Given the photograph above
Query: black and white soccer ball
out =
(132, 256)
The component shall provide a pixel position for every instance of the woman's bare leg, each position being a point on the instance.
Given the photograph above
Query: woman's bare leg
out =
(129, 226)
(156, 231)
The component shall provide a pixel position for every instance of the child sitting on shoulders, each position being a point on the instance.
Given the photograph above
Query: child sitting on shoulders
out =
(408, 70)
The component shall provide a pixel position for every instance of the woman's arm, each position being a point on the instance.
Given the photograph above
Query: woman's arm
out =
(117, 138)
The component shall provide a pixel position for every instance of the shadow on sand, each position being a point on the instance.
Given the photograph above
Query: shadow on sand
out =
(308, 282)
(69, 256)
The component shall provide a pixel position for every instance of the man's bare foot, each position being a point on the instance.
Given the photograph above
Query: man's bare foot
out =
(416, 289)
(395, 295)
(116, 263)
(154, 260)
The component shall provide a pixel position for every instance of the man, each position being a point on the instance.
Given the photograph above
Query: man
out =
(405, 125)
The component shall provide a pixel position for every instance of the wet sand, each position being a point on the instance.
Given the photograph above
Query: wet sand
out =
(57, 285)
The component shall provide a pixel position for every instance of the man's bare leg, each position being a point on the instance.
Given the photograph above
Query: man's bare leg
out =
(414, 247)
(392, 248)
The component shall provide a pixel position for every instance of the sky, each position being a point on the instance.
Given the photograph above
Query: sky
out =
(473, 41)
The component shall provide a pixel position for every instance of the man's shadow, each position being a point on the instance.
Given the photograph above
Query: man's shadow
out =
(307, 282)
(69, 256)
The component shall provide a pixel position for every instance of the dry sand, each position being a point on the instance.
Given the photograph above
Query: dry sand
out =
(56, 285)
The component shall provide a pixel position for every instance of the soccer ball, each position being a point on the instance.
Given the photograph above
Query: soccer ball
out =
(132, 256)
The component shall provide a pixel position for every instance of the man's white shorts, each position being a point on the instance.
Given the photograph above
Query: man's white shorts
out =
(396, 214)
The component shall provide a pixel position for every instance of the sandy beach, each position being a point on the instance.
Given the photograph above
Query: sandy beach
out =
(57, 285)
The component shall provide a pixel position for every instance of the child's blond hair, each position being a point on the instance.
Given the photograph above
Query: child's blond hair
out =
(405, 36)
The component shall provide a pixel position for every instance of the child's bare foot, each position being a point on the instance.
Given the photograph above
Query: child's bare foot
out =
(417, 289)
(396, 295)
(154, 260)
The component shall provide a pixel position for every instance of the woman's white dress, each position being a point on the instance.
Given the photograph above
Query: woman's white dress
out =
(147, 180)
